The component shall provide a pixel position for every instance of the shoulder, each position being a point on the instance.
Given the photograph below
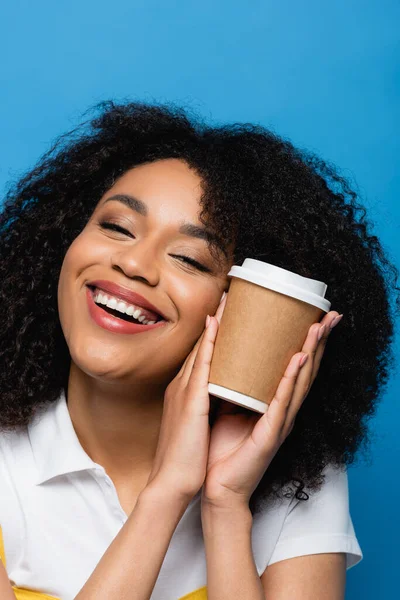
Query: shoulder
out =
(17, 446)
(14, 451)
(14, 445)
(321, 524)
(333, 495)
(17, 469)
(14, 458)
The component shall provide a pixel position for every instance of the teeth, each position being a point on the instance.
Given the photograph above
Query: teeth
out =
(112, 303)
(123, 307)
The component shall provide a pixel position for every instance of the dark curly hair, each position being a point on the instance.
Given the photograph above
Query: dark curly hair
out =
(277, 203)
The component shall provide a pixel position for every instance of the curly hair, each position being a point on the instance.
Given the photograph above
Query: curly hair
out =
(278, 203)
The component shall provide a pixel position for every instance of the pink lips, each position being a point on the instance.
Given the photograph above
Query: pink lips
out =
(114, 324)
(128, 295)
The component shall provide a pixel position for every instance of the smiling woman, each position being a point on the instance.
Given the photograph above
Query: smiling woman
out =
(115, 252)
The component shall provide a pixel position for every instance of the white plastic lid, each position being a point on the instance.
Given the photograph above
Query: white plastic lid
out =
(283, 281)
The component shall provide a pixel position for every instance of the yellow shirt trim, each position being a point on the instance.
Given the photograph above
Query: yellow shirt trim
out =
(22, 593)
(200, 594)
(2, 553)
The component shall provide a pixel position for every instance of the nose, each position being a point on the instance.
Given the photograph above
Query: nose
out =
(137, 262)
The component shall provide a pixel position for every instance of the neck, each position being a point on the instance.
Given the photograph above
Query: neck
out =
(117, 425)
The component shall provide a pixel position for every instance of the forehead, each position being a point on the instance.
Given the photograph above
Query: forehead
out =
(168, 191)
(168, 185)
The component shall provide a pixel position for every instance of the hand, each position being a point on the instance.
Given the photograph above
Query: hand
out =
(243, 443)
(180, 463)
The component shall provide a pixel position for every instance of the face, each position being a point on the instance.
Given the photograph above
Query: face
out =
(138, 240)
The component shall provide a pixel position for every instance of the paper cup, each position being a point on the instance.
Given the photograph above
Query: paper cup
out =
(268, 313)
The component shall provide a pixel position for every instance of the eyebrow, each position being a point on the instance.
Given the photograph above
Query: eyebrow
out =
(189, 229)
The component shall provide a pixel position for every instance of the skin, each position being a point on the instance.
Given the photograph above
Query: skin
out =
(134, 371)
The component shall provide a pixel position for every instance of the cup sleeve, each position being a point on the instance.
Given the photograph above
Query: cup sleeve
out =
(320, 524)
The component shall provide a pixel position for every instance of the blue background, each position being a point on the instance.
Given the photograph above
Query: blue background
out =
(326, 75)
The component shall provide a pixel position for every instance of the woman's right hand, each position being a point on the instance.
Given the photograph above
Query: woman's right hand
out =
(180, 462)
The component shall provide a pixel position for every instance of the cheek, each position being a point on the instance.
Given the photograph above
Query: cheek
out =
(190, 293)
(69, 266)
(193, 310)
(64, 295)
(82, 253)
(196, 303)
(76, 259)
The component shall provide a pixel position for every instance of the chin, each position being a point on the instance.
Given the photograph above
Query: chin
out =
(96, 359)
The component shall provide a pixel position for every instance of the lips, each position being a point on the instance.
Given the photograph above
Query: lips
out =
(126, 294)
(113, 323)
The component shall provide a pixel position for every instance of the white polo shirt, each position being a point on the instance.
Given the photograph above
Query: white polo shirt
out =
(59, 512)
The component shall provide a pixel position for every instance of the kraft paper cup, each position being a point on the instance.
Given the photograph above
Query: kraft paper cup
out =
(266, 319)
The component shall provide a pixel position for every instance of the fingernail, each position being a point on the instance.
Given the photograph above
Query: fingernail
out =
(223, 296)
(321, 332)
(335, 321)
(303, 360)
(208, 320)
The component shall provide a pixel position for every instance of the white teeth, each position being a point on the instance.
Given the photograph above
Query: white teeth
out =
(121, 306)
(112, 303)
(116, 304)
(100, 299)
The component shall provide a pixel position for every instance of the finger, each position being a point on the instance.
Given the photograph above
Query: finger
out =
(221, 308)
(304, 378)
(198, 378)
(327, 320)
(278, 408)
(188, 364)
(314, 346)
(190, 356)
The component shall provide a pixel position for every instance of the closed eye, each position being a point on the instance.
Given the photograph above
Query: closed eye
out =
(187, 259)
(115, 227)
(193, 263)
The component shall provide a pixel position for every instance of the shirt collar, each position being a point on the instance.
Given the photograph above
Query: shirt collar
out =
(55, 445)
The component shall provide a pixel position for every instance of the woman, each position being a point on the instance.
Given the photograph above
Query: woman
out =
(120, 477)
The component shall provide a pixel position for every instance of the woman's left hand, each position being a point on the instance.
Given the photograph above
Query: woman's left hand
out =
(243, 442)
